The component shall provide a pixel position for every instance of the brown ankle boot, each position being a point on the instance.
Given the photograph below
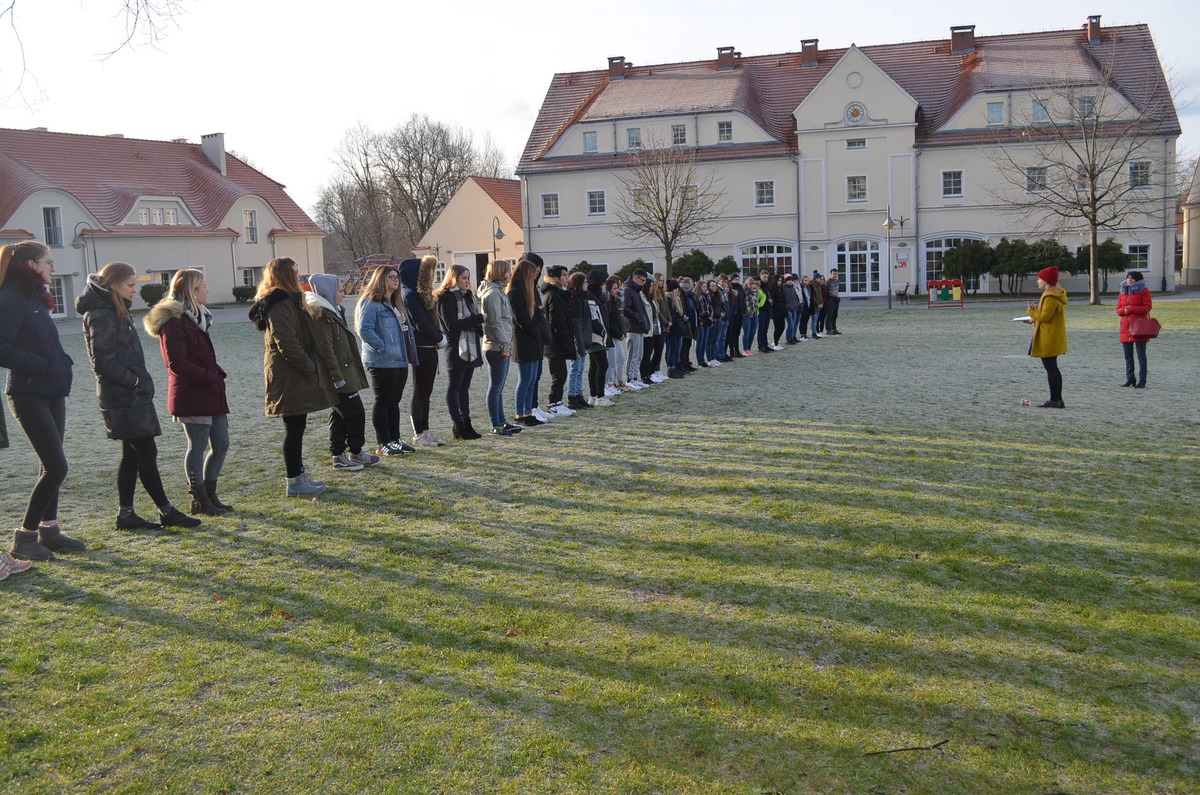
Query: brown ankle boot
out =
(211, 487)
(201, 503)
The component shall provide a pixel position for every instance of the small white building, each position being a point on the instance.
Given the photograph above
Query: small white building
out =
(481, 221)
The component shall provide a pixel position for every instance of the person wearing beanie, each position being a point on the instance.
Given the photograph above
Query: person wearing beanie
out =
(1134, 302)
(1049, 319)
(39, 382)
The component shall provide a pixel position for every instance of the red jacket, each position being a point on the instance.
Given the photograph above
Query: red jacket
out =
(1131, 306)
(196, 384)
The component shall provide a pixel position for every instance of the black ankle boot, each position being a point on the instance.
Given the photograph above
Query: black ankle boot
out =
(1141, 384)
(470, 429)
(1128, 381)
(459, 432)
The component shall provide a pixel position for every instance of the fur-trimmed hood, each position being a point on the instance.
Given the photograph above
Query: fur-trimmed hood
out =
(160, 313)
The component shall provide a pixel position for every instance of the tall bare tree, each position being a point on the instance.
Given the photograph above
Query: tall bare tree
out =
(1089, 156)
(665, 199)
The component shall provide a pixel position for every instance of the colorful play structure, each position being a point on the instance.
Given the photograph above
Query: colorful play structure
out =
(946, 294)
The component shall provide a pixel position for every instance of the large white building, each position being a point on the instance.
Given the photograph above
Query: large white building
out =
(812, 148)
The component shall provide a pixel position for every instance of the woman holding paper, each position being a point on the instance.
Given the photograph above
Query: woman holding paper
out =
(1049, 319)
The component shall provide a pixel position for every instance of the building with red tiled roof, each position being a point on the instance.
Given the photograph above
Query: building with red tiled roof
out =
(158, 205)
(464, 233)
(812, 148)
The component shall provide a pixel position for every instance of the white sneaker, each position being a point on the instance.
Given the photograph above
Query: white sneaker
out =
(776, 347)
(611, 391)
(663, 376)
(559, 410)
(638, 384)
(601, 401)
(425, 439)
(713, 363)
(541, 415)
(822, 335)
(656, 378)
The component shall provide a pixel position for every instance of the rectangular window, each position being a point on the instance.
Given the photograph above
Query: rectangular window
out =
(952, 185)
(143, 216)
(641, 200)
(165, 277)
(1139, 174)
(1041, 111)
(156, 216)
(724, 132)
(250, 224)
(691, 197)
(1035, 179)
(633, 138)
(764, 193)
(1081, 176)
(58, 295)
(995, 113)
(856, 143)
(251, 276)
(678, 134)
(1086, 107)
(1139, 257)
(595, 202)
(169, 217)
(589, 141)
(52, 221)
(856, 188)
(549, 205)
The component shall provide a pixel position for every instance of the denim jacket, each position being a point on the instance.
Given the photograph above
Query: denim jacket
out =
(383, 340)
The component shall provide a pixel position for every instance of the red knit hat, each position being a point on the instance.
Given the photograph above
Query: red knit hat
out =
(1049, 275)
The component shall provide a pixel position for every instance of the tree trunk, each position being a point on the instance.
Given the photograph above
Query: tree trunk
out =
(1093, 257)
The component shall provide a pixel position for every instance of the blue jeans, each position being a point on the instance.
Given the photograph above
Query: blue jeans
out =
(673, 347)
(749, 328)
(717, 343)
(575, 381)
(497, 376)
(816, 318)
(527, 373)
(702, 344)
(793, 322)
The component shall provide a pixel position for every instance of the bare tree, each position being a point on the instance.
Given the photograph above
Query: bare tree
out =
(664, 199)
(1090, 157)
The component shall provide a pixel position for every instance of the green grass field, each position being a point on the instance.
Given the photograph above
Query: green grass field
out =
(751, 581)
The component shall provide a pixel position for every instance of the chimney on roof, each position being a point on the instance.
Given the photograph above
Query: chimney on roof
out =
(809, 55)
(213, 146)
(962, 39)
(1093, 29)
(725, 56)
(616, 67)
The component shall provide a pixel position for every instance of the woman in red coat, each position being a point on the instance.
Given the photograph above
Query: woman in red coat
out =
(1133, 303)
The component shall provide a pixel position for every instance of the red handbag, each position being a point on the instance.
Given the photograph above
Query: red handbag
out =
(1145, 326)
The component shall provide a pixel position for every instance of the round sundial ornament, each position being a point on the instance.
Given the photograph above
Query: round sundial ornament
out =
(855, 113)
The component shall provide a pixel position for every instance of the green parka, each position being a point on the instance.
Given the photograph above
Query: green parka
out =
(297, 381)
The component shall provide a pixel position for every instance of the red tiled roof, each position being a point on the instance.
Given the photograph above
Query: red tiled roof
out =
(504, 192)
(20, 234)
(108, 174)
(768, 88)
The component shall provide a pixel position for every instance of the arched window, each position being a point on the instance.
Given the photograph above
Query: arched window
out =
(858, 263)
(934, 249)
(777, 258)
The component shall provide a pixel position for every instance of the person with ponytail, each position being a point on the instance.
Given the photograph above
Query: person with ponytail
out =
(463, 324)
(195, 384)
(39, 381)
(295, 378)
(126, 393)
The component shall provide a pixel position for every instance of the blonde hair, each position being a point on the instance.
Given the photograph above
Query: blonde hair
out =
(498, 271)
(451, 280)
(279, 274)
(425, 279)
(111, 275)
(183, 287)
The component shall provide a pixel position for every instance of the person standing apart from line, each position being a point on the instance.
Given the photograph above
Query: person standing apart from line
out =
(1134, 302)
(835, 300)
(294, 378)
(195, 384)
(497, 341)
(39, 382)
(416, 280)
(463, 325)
(1049, 319)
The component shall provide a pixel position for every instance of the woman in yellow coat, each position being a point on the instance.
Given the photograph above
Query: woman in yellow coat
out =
(1049, 319)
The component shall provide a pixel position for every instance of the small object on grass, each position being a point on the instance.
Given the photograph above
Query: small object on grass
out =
(933, 747)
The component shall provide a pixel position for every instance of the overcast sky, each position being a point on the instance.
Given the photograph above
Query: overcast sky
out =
(285, 80)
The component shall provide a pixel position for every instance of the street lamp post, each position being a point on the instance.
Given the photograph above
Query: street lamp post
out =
(889, 225)
(497, 234)
(80, 243)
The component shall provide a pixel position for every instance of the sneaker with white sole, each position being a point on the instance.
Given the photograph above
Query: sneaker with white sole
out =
(559, 410)
(364, 458)
(636, 385)
(542, 415)
(713, 363)
(602, 401)
(391, 448)
(611, 391)
(342, 463)
(426, 439)
(658, 378)
(10, 565)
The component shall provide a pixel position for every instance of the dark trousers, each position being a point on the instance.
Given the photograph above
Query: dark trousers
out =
(388, 383)
(458, 393)
(1053, 377)
(293, 444)
(1141, 358)
(424, 373)
(139, 459)
(831, 313)
(764, 321)
(780, 321)
(806, 314)
(558, 379)
(597, 369)
(822, 314)
(347, 425)
(44, 421)
(733, 339)
(652, 359)
(685, 352)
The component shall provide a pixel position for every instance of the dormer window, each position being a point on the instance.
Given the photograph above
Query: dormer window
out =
(589, 141)
(724, 132)
(143, 216)
(156, 216)
(250, 225)
(1041, 111)
(169, 217)
(678, 134)
(995, 113)
(1086, 107)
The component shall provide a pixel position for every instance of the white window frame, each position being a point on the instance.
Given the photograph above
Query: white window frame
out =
(250, 225)
(691, 196)
(1142, 254)
(633, 137)
(557, 206)
(725, 132)
(999, 107)
(1037, 179)
(156, 216)
(865, 193)
(170, 217)
(856, 144)
(759, 195)
(251, 277)
(52, 225)
(589, 137)
(640, 203)
(58, 294)
(589, 195)
(959, 194)
(143, 216)
(1088, 103)
(1142, 178)
(679, 135)
(1040, 111)
(859, 259)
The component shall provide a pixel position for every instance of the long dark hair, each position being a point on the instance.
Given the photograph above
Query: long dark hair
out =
(577, 285)
(16, 267)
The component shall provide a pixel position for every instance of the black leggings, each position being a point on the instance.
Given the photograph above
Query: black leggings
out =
(597, 369)
(1053, 376)
(780, 322)
(458, 393)
(44, 421)
(424, 373)
(293, 444)
(652, 358)
(385, 414)
(558, 379)
(139, 459)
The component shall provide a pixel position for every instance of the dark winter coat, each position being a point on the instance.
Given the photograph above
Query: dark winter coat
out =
(634, 311)
(29, 344)
(737, 300)
(336, 345)
(457, 329)
(296, 380)
(123, 384)
(776, 300)
(600, 329)
(581, 321)
(680, 327)
(1133, 302)
(704, 309)
(195, 382)
(527, 328)
(791, 297)
(425, 325)
(563, 341)
(616, 316)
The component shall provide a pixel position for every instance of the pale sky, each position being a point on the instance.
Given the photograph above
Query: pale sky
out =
(285, 80)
